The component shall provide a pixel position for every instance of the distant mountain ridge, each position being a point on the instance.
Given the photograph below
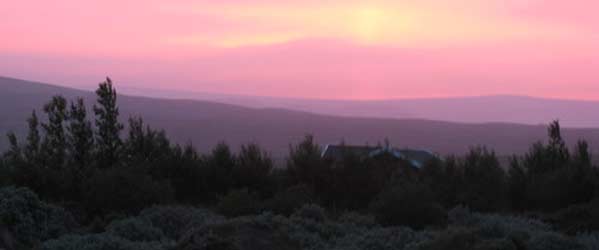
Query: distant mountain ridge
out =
(205, 123)
(470, 109)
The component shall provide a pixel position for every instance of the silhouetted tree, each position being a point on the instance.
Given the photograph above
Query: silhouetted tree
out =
(445, 179)
(217, 174)
(582, 177)
(517, 183)
(32, 148)
(14, 153)
(79, 147)
(30, 172)
(253, 169)
(108, 127)
(557, 146)
(54, 144)
(484, 181)
(186, 174)
(555, 179)
(149, 149)
(80, 136)
(305, 164)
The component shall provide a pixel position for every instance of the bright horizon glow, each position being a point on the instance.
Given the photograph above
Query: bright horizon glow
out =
(335, 49)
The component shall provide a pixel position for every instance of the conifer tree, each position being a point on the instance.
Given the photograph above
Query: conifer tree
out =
(253, 168)
(557, 146)
(516, 183)
(33, 140)
(54, 144)
(108, 127)
(14, 151)
(218, 177)
(136, 141)
(484, 181)
(305, 163)
(80, 136)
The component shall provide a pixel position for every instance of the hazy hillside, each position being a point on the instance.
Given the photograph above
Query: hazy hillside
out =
(206, 123)
(500, 108)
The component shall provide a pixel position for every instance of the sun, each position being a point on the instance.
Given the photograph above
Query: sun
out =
(369, 24)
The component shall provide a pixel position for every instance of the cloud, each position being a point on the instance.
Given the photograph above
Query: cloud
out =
(324, 48)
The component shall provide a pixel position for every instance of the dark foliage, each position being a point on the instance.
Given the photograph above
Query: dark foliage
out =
(349, 203)
(408, 204)
(484, 187)
(238, 203)
(108, 126)
(124, 190)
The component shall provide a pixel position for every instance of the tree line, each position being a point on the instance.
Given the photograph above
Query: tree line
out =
(95, 167)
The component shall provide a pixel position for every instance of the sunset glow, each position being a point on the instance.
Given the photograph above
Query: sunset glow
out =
(312, 49)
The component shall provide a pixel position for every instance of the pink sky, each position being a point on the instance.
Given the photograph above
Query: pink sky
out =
(342, 49)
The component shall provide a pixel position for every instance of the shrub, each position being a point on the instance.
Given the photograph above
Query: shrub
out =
(553, 241)
(100, 242)
(357, 219)
(30, 220)
(175, 221)
(311, 212)
(135, 229)
(455, 238)
(380, 239)
(458, 238)
(125, 190)
(589, 240)
(209, 240)
(577, 218)
(262, 232)
(238, 203)
(461, 215)
(493, 225)
(410, 204)
(287, 201)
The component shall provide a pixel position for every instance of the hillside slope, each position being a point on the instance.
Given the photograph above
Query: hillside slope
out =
(476, 109)
(206, 123)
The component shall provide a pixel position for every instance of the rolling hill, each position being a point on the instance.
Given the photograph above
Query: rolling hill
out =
(475, 109)
(204, 124)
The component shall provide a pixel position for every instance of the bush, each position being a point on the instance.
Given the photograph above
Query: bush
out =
(461, 215)
(125, 190)
(589, 240)
(100, 242)
(208, 240)
(553, 241)
(577, 218)
(357, 219)
(175, 221)
(410, 204)
(458, 238)
(135, 229)
(238, 203)
(451, 239)
(380, 239)
(311, 212)
(493, 225)
(30, 220)
(262, 232)
(287, 201)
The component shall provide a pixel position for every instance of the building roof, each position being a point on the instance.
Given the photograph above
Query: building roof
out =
(338, 151)
(418, 158)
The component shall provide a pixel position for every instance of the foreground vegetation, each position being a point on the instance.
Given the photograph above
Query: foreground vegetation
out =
(71, 184)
